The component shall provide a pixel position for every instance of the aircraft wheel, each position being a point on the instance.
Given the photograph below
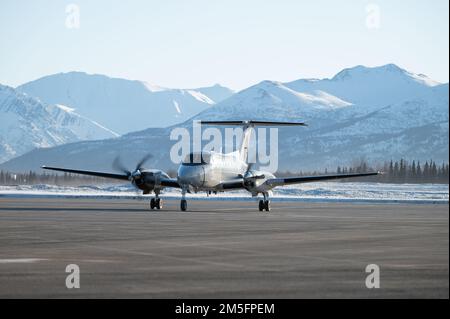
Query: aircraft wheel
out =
(267, 205)
(152, 203)
(261, 205)
(159, 203)
(183, 205)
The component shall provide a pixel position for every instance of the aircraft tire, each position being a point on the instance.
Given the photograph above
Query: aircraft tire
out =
(183, 205)
(267, 205)
(261, 205)
(152, 203)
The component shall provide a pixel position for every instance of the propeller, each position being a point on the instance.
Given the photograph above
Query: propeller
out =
(143, 161)
(145, 181)
(249, 178)
(248, 172)
(118, 166)
(136, 175)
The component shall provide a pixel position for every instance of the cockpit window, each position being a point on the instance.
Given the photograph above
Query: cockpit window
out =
(197, 159)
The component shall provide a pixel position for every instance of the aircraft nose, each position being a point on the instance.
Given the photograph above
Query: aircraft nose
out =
(191, 175)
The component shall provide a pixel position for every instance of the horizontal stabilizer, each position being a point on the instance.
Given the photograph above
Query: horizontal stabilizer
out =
(253, 123)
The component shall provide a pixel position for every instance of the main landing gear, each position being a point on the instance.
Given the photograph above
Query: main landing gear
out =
(156, 203)
(183, 205)
(183, 202)
(264, 204)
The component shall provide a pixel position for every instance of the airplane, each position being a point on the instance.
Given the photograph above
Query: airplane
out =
(212, 172)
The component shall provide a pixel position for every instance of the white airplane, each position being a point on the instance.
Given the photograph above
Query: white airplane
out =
(212, 172)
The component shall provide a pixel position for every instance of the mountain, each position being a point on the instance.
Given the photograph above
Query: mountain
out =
(275, 101)
(123, 105)
(217, 92)
(369, 87)
(26, 123)
(372, 113)
(377, 114)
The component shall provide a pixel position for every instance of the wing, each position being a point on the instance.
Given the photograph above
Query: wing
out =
(307, 179)
(91, 173)
(237, 183)
(170, 182)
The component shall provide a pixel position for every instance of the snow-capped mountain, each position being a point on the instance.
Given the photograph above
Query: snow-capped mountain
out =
(378, 114)
(352, 92)
(275, 101)
(373, 113)
(26, 123)
(217, 92)
(369, 87)
(123, 105)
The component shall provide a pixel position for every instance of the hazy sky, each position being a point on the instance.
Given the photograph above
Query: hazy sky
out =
(237, 43)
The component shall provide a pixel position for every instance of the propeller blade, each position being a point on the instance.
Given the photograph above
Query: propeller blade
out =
(137, 191)
(143, 161)
(247, 173)
(249, 177)
(118, 166)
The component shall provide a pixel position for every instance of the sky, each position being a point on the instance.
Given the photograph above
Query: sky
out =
(237, 43)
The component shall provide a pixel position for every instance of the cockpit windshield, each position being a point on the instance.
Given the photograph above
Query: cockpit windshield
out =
(197, 159)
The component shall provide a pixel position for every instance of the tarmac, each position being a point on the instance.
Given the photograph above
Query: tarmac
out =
(221, 249)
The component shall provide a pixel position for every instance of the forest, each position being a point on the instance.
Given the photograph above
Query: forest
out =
(401, 171)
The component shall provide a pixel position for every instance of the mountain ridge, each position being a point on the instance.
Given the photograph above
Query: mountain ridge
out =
(404, 123)
(26, 123)
(119, 104)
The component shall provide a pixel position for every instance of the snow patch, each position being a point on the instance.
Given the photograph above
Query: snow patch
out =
(317, 192)
(65, 108)
(177, 106)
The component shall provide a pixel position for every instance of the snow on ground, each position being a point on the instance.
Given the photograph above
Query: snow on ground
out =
(316, 192)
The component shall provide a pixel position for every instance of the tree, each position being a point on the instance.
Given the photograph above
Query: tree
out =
(418, 170)
(413, 170)
(426, 171)
(433, 170)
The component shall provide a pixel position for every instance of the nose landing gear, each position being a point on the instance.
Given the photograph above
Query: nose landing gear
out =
(183, 203)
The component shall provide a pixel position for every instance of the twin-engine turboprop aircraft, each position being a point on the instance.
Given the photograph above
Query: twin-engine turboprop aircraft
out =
(211, 172)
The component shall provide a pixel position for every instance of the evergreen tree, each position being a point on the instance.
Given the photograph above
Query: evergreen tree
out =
(426, 171)
(418, 170)
(413, 170)
(391, 170)
(433, 170)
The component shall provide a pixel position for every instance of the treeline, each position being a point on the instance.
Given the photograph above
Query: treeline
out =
(401, 171)
(66, 179)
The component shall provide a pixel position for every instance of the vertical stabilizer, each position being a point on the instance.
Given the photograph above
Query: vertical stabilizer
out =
(243, 149)
(248, 127)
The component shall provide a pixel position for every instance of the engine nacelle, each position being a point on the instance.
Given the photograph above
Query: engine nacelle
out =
(254, 181)
(149, 180)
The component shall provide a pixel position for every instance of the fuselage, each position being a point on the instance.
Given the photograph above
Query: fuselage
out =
(206, 170)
